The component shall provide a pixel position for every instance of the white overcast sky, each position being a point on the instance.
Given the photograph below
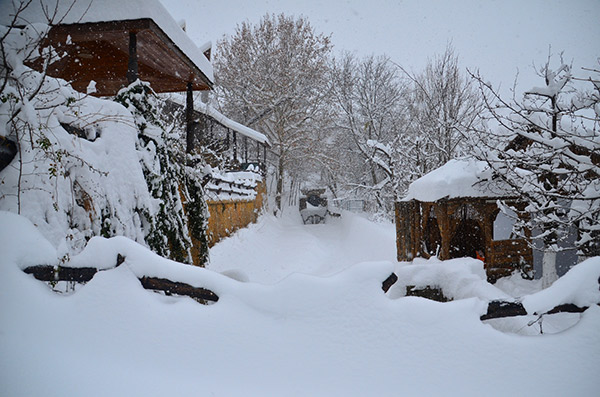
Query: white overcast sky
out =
(497, 37)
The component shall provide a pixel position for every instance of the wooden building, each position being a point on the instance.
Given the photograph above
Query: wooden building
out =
(453, 212)
(109, 44)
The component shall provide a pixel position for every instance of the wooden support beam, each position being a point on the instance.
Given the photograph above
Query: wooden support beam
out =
(234, 146)
(132, 63)
(189, 119)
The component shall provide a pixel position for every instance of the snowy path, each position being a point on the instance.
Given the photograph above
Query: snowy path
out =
(273, 248)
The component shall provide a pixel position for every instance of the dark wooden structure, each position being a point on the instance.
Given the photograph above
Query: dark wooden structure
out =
(455, 228)
(116, 53)
(221, 139)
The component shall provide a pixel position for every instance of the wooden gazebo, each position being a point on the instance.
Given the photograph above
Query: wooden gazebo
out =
(451, 213)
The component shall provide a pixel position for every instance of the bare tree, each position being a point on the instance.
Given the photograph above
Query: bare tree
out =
(444, 106)
(272, 75)
(370, 99)
(546, 147)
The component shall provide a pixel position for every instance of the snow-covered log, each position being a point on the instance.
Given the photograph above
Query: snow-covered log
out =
(84, 274)
(500, 309)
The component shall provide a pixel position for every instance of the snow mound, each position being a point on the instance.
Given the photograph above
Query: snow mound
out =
(580, 286)
(305, 335)
(22, 243)
(458, 279)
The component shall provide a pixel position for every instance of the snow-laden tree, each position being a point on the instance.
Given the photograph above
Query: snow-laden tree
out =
(272, 76)
(444, 106)
(546, 147)
(370, 99)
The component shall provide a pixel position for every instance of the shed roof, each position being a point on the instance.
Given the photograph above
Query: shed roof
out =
(95, 35)
(457, 178)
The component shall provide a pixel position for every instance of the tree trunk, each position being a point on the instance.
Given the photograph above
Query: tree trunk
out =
(279, 192)
(548, 268)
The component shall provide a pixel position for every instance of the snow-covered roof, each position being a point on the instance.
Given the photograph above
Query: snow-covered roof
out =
(210, 111)
(456, 178)
(90, 11)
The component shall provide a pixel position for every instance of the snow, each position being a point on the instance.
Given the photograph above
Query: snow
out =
(456, 178)
(458, 278)
(23, 236)
(269, 250)
(304, 335)
(87, 11)
(240, 185)
(579, 286)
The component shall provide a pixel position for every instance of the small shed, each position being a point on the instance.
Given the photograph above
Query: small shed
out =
(452, 212)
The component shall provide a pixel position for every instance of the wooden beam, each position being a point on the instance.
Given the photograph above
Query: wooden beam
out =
(132, 63)
(234, 146)
(189, 119)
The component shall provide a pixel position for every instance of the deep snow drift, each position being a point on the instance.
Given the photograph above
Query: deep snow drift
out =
(273, 248)
(304, 335)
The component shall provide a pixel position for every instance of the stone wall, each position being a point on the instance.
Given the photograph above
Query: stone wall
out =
(227, 216)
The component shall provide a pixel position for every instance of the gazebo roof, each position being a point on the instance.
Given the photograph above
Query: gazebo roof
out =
(457, 178)
(95, 37)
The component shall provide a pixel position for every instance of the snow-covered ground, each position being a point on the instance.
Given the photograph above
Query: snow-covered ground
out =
(285, 334)
(273, 248)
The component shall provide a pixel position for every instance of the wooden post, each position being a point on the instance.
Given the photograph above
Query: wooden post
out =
(234, 146)
(189, 119)
(245, 149)
(132, 63)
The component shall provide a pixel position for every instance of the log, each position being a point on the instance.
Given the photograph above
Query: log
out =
(61, 273)
(433, 293)
(65, 273)
(388, 282)
(84, 274)
(177, 288)
(501, 309)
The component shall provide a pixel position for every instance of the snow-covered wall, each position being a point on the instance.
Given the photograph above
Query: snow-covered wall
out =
(229, 210)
